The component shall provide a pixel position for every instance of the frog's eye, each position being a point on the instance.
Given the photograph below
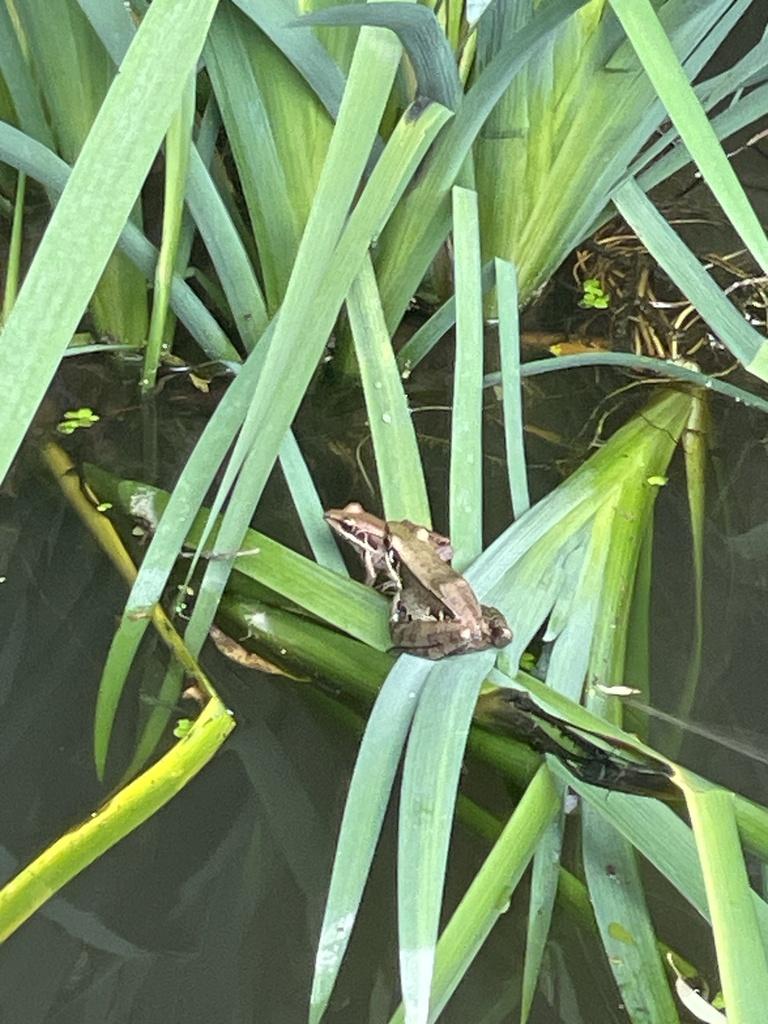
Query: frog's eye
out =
(422, 533)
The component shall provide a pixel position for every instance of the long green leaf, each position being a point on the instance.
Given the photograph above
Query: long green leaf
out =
(398, 465)
(38, 162)
(418, 30)
(630, 943)
(95, 206)
(123, 813)
(641, 23)
(366, 804)
(684, 269)
(422, 221)
(488, 896)
(741, 952)
(263, 178)
(512, 388)
(428, 796)
(466, 483)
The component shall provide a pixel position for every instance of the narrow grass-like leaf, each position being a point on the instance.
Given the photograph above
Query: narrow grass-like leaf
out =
(13, 266)
(428, 796)
(509, 350)
(422, 221)
(116, 157)
(177, 146)
(227, 252)
(544, 879)
(641, 23)
(421, 343)
(489, 894)
(123, 813)
(52, 172)
(685, 270)
(398, 465)
(59, 39)
(466, 482)
(366, 804)
(423, 40)
(674, 371)
(662, 837)
(274, 220)
(21, 84)
(308, 506)
(277, 20)
(630, 943)
(741, 953)
(696, 457)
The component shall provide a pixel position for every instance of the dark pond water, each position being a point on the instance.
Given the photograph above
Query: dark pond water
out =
(209, 913)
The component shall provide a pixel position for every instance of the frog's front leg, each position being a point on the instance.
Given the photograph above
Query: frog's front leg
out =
(496, 626)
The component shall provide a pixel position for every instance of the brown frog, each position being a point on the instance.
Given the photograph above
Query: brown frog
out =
(435, 612)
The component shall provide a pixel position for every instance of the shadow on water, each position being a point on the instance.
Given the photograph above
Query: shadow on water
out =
(210, 912)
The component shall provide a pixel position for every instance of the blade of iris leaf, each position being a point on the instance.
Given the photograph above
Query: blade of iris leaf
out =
(512, 389)
(488, 896)
(431, 57)
(616, 892)
(741, 954)
(398, 464)
(421, 343)
(51, 171)
(273, 218)
(674, 371)
(224, 244)
(661, 836)
(227, 252)
(308, 506)
(427, 801)
(364, 810)
(167, 542)
(466, 467)
(695, 447)
(641, 23)
(277, 20)
(603, 471)
(544, 880)
(21, 84)
(747, 344)
(421, 222)
(306, 320)
(123, 813)
(178, 141)
(74, 74)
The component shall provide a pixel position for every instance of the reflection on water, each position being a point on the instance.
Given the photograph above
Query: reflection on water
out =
(210, 912)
